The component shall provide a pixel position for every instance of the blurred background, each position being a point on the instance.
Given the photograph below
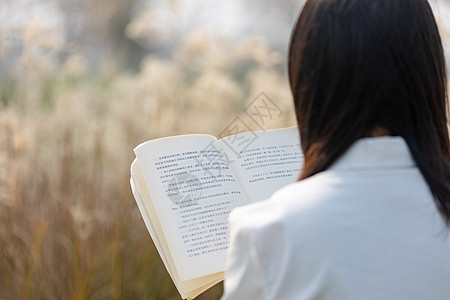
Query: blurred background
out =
(82, 82)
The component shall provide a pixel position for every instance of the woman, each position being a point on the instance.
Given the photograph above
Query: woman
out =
(369, 216)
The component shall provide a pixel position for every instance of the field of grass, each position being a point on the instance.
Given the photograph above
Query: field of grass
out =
(69, 225)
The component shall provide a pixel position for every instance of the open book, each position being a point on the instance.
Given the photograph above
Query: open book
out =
(185, 187)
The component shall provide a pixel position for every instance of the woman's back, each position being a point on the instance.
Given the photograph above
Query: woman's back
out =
(367, 228)
(369, 217)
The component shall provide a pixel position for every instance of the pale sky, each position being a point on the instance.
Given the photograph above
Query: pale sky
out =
(230, 17)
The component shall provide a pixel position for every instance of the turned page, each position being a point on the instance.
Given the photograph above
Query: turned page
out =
(264, 161)
(188, 288)
(193, 190)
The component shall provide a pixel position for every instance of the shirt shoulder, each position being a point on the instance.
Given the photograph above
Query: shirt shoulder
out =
(303, 197)
(330, 202)
(262, 241)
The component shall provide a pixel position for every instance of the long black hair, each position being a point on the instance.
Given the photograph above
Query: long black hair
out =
(357, 65)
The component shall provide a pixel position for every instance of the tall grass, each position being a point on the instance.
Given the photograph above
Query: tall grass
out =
(69, 226)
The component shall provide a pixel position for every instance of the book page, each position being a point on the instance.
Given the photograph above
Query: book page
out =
(193, 190)
(270, 160)
(189, 288)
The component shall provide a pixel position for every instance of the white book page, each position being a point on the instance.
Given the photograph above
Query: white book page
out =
(146, 208)
(193, 190)
(270, 160)
(189, 288)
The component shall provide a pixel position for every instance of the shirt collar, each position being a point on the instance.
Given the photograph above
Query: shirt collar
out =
(376, 153)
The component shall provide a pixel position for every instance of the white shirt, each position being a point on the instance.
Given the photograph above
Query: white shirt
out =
(367, 228)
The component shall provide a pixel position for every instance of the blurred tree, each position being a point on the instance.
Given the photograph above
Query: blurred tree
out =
(273, 19)
(97, 28)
